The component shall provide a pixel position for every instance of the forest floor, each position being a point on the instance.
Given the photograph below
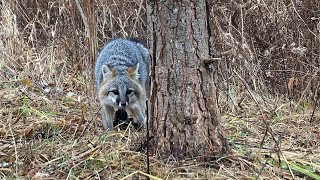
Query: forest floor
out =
(52, 133)
(53, 130)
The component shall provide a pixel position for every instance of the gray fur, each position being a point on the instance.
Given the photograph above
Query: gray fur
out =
(121, 89)
(121, 54)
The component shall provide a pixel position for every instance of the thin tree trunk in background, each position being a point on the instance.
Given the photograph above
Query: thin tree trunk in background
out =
(184, 113)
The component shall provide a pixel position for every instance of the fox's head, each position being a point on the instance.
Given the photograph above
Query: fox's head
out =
(120, 88)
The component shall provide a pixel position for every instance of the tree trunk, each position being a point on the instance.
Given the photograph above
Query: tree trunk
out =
(184, 115)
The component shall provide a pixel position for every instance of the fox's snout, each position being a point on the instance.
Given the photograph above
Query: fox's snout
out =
(123, 104)
(122, 101)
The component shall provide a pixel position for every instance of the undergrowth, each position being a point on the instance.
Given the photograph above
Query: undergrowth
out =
(49, 118)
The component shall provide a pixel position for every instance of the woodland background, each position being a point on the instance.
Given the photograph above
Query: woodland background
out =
(268, 78)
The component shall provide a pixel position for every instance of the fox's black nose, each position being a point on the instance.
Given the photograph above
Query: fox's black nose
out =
(123, 104)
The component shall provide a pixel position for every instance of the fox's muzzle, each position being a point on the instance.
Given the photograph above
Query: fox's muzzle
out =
(123, 99)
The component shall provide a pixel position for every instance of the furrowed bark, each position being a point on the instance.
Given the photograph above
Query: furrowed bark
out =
(184, 112)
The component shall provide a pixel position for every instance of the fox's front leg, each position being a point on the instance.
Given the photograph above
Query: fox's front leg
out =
(138, 113)
(107, 117)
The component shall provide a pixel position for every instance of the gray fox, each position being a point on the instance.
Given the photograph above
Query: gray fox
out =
(121, 75)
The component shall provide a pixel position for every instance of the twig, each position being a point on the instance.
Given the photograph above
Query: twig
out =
(136, 19)
(307, 87)
(266, 123)
(148, 161)
(93, 117)
(316, 102)
(270, 149)
(262, 168)
(84, 18)
(80, 156)
(15, 147)
(20, 90)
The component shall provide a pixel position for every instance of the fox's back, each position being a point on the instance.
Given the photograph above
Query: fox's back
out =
(121, 54)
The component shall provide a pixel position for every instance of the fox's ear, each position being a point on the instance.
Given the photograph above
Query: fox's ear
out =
(108, 72)
(133, 71)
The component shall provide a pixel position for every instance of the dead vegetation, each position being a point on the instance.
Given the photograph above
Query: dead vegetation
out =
(268, 79)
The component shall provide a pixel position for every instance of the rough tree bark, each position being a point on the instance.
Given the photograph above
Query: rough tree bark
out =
(184, 115)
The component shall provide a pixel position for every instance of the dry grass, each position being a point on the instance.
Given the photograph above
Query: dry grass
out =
(49, 122)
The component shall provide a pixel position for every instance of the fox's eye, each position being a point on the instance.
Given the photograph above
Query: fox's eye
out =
(129, 91)
(115, 92)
